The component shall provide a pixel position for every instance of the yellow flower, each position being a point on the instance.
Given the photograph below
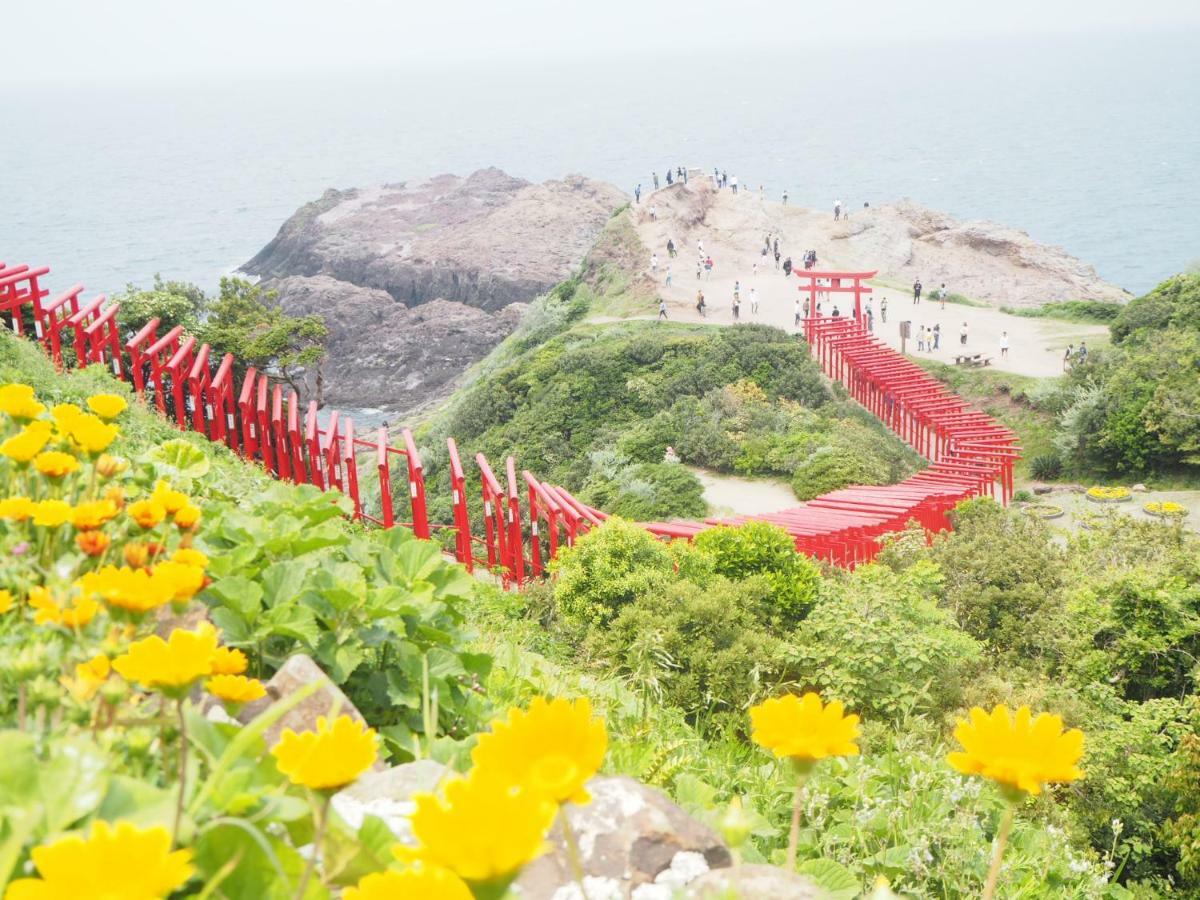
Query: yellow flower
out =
(483, 828)
(235, 688)
(553, 748)
(134, 590)
(16, 509)
(51, 513)
(113, 861)
(182, 581)
(330, 757)
(89, 676)
(92, 543)
(6, 601)
(229, 661)
(418, 882)
(115, 495)
(55, 464)
(25, 444)
(92, 514)
(108, 466)
(19, 402)
(803, 729)
(171, 666)
(107, 406)
(92, 434)
(172, 500)
(1022, 752)
(49, 611)
(190, 557)
(187, 517)
(136, 554)
(64, 414)
(147, 513)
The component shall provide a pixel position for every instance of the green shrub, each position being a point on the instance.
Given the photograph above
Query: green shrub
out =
(1045, 466)
(759, 548)
(832, 469)
(608, 568)
(645, 492)
(879, 642)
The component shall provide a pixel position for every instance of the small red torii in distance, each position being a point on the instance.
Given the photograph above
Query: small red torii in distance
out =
(834, 286)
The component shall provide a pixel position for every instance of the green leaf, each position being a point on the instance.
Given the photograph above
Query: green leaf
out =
(241, 595)
(836, 880)
(181, 458)
(267, 868)
(295, 622)
(136, 801)
(283, 581)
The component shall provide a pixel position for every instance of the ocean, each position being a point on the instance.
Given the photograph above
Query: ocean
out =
(1091, 143)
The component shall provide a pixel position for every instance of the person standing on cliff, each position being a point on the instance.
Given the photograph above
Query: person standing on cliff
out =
(671, 248)
(942, 292)
(754, 301)
(700, 304)
(654, 175)
(1067, 356)
(653, 263)
(937, 335)
(917, 292)
(785, 198)
(637, 194)
(837, 210)
(668, 281)
(1003, 344)
(669, 178)
(777, 257)
(653, 213)
(734, 183)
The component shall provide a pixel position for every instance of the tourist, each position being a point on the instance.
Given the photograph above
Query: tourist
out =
(1082, 353)
(837, 210)
(662, 308)
(700, 303)
(767, 241)
(733, 183)
(669, 178)
(667, 283)
(837, 313)
(962, 334)
(1003, 344)
(797, 311)
(671, 251)
(670, 456)
(724, 179)
(753, 301)
(653, 213)
(787, 266)
(777, 257)
(776, 245)
(737, 305)
(883, 310)
(708, 267)
(806, 306)
(921, 337)
(916, 292)
(870, 320)
(942, 295)
(683, 172)
(637, 194)
(653, 262)
(785, 198)
(699, 266)
(1067, 356)
(654, 175)
(754, 269)
(700, 246)
(737, 290)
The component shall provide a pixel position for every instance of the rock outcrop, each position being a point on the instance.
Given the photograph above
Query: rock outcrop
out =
(384, 354)
(417, 281)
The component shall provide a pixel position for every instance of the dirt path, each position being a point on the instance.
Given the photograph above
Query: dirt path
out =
(731, 495)
(732, 233)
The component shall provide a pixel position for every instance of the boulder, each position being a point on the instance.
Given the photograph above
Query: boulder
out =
(1042, 488)
(327, 700)
(756, 882)
(388, 795)
(1138, 489)
(633, 843)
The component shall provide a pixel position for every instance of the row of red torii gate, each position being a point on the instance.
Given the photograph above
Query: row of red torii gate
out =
(969, 453)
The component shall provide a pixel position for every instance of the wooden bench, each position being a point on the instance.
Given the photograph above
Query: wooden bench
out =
(972, 359)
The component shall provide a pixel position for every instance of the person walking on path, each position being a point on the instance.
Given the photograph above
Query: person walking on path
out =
(669, 178)
(753, 301)
(837, 210)
(883, 310)
(787, 267)
(797, 311)
(653, 213)
(776, 245)
(1003, 344)
(917, 292)
(942, 295)
(921, 338)
(708, 267)
(699, 266)
(654, 175)
(870, 320)
(637, 194)
(962, 334)
(700, 304)
(737, 290)
(785, 198)
(806, 306)
(1082, 353)
(653, 263)
(671, 251)
(1067, 356)
(767, 241)
(700, 246)
(668, 281)
(937, 335)
(754, 269)
(662, 308)
(733, 183)
(777, 257)
(736, 307)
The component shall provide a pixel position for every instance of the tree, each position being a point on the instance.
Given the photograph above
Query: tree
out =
(248, 322)
(171, 302)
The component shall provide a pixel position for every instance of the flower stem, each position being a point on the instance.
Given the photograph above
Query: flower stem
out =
(794, 834)
(183, 755)
(572, 850)
(989, 888)
(21, 705)
(318, 836)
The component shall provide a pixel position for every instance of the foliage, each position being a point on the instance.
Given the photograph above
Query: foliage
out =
(172, 302)
(1046, 466)
(644, 492)
(759, 548)
(829, 469)
(879, 642)
(1103, 311)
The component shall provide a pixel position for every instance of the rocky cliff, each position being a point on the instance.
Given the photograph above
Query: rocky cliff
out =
(417, 281)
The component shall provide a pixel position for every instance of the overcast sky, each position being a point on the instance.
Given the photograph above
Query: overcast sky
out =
(89, 40)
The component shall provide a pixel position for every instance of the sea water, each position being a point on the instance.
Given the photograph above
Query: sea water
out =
(1091, 143)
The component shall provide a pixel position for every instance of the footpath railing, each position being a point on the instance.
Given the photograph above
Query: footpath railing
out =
(971, 454)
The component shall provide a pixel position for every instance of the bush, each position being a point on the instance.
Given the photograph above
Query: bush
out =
(645, 492)
(879, 643)
(1045, 466)
(830, 470)
(608, 568)
(759, 548)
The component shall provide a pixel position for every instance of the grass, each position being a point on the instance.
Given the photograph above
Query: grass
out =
(1100, 312)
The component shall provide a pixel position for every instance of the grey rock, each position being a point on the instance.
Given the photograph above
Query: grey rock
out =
(1042, 488)
(388, 355)
(328, 700)
(388, 795)
(486, 240)
(756, 882)
(1138, 489)
(633, 843)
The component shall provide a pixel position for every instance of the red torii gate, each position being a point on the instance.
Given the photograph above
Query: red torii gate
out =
(833, 285)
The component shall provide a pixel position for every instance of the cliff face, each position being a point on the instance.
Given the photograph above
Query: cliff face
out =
(487, 240)
(418, 281)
